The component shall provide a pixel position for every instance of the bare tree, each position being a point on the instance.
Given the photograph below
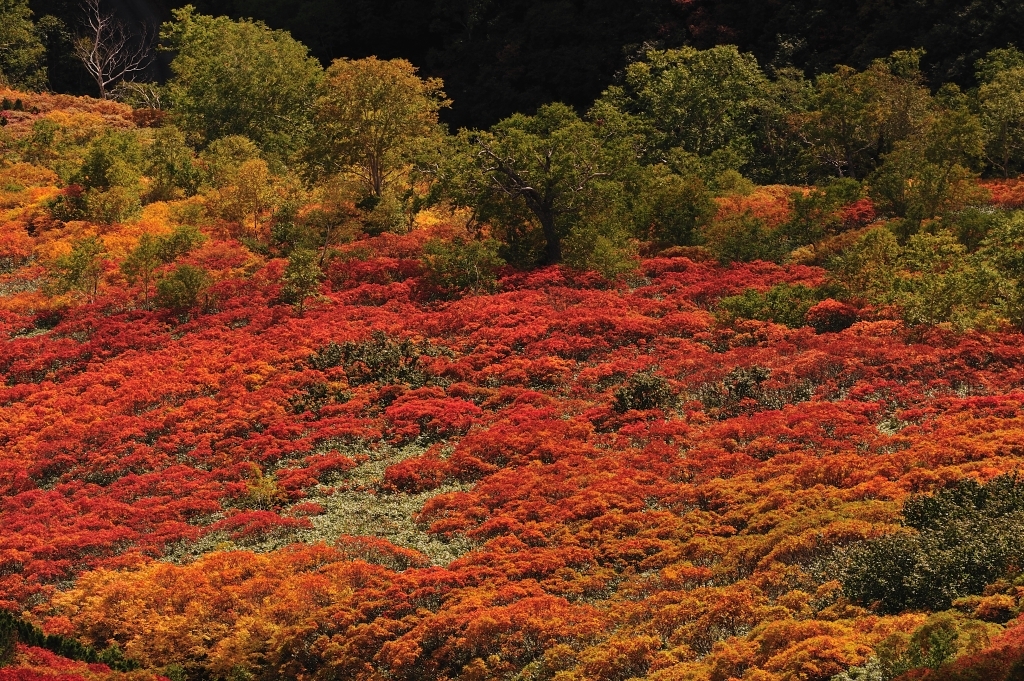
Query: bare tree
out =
(109, 51)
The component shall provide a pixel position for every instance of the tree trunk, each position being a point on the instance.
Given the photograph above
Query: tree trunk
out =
(553, 250)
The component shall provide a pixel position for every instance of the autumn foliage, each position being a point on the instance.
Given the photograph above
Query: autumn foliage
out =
(574, 477)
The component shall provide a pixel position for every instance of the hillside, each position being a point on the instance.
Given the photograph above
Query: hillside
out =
(690, 470)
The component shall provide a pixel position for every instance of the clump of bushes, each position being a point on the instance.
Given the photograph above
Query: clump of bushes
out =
(642, 391)
(954, 544)
(315, 396)
(460, 265)
(782, 304)
(184, 288)
(379, 359)
(746, 389)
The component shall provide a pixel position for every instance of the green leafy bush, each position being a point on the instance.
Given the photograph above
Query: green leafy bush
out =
(674, 208)
(942, 638)
(378, 359)
(782, 304)
(644, 390)
(184, 288)
(461, 265)
(742, 238)
(955, 543)
(816, 214)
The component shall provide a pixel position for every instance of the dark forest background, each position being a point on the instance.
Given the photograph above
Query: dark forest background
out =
(498, 57)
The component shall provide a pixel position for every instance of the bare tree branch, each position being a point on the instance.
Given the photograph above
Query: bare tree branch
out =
(109, 51)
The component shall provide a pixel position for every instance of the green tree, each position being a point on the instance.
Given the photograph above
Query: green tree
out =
(855, 118)
(22, 54)
(672, 209)
(939, 283)
(932, 173)
(153, 251)
(253, 194)
(1001, 104)
(816, 214)
(302, 277)
(111, 172)
(699, 101)
(80, 270)
(370, 118)
(542, 171)
(183, 288)
(868, 268)
(742, 238)
(1002, 253)
(171, 166)
(114, 159)
(224, 156)
(141, 263)
(239, 78)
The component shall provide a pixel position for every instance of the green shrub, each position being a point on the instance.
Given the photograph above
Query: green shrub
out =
(972, 225)
(942, 638)
(378, 359)
(816, 214)
(114, 159)
(182, 241)
(8, 640)
(171, 165)
(461, 265)
(644, 391)
(782, 304)
(152, 251)
(955, 543)
(742, 238)
(382, 214)
(184, 288)
(117, 204)
(674, 208)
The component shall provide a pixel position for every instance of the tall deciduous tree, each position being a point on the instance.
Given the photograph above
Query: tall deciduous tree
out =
(545, 169)
(858, 117)
(22, 55)
(370, 117)
(239, 78)
(700, 102)
(1001, 104)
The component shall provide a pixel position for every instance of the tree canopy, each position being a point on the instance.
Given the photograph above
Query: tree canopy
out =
(370, 117)
(239, 78)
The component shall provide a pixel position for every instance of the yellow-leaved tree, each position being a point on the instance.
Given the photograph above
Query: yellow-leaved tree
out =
(370, 119)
